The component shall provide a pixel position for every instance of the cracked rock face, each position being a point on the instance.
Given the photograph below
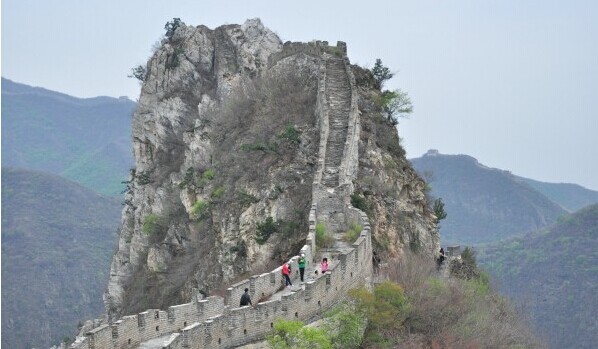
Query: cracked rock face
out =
(223, 140)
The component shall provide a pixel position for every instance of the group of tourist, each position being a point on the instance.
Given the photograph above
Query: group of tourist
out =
(286, 273)
(302, 262)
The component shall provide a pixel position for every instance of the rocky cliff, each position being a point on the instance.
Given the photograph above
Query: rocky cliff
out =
(234, 137)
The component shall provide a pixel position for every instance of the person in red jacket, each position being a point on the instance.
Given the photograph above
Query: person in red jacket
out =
(286, 272)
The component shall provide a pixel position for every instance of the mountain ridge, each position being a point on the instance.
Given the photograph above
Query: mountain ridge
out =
(483, 203)
(554, 272)
(51, 131)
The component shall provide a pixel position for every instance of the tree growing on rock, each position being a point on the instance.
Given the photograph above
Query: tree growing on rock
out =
(396, 103)
(381, 73)
(171, 27)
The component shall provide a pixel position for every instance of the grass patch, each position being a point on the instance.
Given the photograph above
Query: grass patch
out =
(353, 233)
(290, 134)
(323, 237)
(218, 192)
(151, 224)
(200, 208)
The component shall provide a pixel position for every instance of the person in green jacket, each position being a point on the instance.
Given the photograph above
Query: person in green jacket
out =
(301, 263)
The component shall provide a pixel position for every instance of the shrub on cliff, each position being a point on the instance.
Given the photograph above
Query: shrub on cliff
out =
(293, 335)
(171, 27)
(440, 313)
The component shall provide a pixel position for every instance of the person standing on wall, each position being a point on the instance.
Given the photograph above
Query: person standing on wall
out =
(324, 265)
(286, 271)
(302, 263)
(440, 259)
(245, 299)
(376, 262)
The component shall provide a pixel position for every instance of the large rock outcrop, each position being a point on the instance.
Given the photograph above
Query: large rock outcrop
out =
(227, 144)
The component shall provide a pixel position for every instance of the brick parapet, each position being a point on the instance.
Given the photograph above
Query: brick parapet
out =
(210, 324)
(313, 48)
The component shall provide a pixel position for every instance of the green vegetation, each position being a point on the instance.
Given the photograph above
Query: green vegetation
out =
(345, 326)
(396, 103)
(290, 134)
(206, 177)
(57, 243)
(353, 233)
(323, 237)
(264, 230)
(218, 192)
(381, 73)
(208, 174)
(336, 51)
(152, 224)
(293, 335)
(138, 73)
(246, 198)
(415, 309)
(359, 202)
(268, 227)
(188, 179)
(547, 268)
(200, 208)
(143, 178)
(171, 27)
(438, 209)
(173, 59)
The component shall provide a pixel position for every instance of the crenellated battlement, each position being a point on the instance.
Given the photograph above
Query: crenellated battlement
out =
(210, 323)
(313, 48)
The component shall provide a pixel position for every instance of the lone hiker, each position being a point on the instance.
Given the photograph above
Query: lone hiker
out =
(441, 258)
(286, 271)
(376, 262)
(301, 263)
(245, 299)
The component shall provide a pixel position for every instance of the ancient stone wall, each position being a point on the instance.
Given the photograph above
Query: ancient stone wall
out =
(314, 48)
(209, 323)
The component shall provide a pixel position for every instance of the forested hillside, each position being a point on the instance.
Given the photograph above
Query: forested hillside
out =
(554, 273)
(571, 196)
(483, 204)
(57, 240)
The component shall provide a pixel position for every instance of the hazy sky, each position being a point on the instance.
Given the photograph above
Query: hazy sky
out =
(513, 83)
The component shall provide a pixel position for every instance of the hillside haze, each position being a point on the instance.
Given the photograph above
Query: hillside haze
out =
(483, 204)
(571, 196)
(554, 272)
(85, 140)
(57, 240)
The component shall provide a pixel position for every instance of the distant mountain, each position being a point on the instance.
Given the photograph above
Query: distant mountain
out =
(571, 196)
(483, 204)
(85, 140)
(554, 273)
(57, 242)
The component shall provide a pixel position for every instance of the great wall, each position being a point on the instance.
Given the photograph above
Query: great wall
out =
(216, 322)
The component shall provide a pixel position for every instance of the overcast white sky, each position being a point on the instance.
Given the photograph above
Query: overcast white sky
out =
(510, 82)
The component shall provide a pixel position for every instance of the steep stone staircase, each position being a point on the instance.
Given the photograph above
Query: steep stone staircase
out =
(338, 102)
